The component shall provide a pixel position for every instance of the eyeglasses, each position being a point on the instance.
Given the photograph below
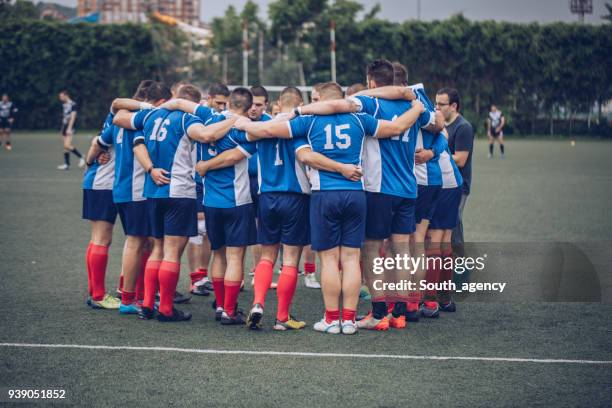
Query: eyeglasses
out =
(442, 104)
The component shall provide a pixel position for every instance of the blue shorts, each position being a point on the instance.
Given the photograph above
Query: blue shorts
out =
(389, 214)
(172, 216)
(133, 215)
(233, 227)
(98, 205)
(426, 202)
(254, 187)
(446, 214)
(337, 218)
(199, 197)
(283, 218)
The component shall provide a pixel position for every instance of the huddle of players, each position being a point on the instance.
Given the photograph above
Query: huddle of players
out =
(355, 178)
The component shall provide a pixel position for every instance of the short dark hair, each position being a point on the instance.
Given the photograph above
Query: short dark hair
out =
(353, 89)
(158, 91)
(290, 96)
(331, 89)
(381, 71)
(400, 74)
(218, 89)
(241, 98)
(259, 90)
(141, 93)
(65, 92)
(190, 92)
(453, 95)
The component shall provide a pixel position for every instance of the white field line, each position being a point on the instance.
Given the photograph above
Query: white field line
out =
(303, 354)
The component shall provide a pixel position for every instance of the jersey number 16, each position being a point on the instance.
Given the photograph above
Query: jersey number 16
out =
(160, 132)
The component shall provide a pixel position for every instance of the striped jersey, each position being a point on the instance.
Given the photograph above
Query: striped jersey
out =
(97, 176)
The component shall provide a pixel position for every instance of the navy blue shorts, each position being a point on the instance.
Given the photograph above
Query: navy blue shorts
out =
(233, 227)
(134, 218)
(98, 205)
(337, 218)
(172, 216)
(283, 218)
(5, 123)
(426, 202)
(446, 214)
(389, 214)
(254, 186)
(199, 197)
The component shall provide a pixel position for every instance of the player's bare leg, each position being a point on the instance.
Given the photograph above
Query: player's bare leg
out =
(351, 283)
(331, 286)
(377, 318)
(286, 289)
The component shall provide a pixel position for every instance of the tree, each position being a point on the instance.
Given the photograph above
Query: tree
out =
(19, 10)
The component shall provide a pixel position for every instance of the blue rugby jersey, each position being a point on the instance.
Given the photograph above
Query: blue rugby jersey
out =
(101, 177)
(339, 137)
(170, 148)
(253, 167)
(388, 164)
(228, 187)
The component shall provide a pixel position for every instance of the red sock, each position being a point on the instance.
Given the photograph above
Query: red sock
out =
(168, 279)
(232, 289)
(98, 258)
(196, 276)
(263, 278)
(285, 291)
(390, 307)
(127, 298)
(219, 289)
(141, 275)
(432, 276)
(151, 282)
(204, 271)
(446, 273)
(309, 268)
(348, 314)
(331, 315)
(121, 282)
(88, 267)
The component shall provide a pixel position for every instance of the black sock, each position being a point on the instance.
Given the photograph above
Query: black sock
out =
(67, 158)
(501, 147)
(76, 153)
(379, 310)
(399, 309)
(491, 148)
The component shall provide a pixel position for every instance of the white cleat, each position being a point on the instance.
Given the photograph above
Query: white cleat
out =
(329, 328)
(310, 281)
(81, 163)
(349, 327)
(63, 167)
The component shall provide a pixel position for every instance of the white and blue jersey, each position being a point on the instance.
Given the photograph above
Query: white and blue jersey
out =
(208, 116)
(338, 137)
(101, 176)
(451, 176)
(170, 148)
(388, 164)
(429, 173)
(228, 187)
(129, 173)
(278, 168)
(253, 161)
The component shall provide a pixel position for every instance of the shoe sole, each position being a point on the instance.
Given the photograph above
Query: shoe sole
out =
(254, 320)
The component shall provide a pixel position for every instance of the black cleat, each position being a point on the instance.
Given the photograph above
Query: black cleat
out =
(178, 297)
(254, 318)
(449, 307)
(237, 318)
(146, 313)
(177, 316)
(199, 291)
(412, 316)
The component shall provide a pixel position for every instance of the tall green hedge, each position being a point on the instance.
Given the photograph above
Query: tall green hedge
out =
(93, 62)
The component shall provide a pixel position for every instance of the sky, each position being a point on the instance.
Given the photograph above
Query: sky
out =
(520, 11)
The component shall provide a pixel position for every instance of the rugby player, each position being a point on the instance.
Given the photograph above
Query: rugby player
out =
(7, 118)
(495, 130)
(69, 115)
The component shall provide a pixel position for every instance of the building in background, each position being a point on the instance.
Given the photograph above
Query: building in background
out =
(135, 11)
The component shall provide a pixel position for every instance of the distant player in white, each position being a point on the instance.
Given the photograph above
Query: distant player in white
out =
(495, 130)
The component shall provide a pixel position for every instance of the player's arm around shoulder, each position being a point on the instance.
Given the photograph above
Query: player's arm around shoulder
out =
(321, 162)
(264, 130)
(387, 128)
(391, 92)
(331, 107)
(210, 133)
(226, 159)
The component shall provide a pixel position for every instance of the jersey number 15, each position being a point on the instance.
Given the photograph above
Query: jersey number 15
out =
(344, 140)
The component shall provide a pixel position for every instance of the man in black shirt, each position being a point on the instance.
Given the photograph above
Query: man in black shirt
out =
(460, 143)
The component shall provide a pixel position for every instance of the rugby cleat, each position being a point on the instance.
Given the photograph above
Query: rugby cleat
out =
(371, 323)
(310, 281)
(81, 163)
(290, 324)
(218, 313)
(88, 301)
(199, 290)
(63, 167)
(329, 328)
(206, 283)
(176, 316)
(107, 302)
(449, 307)
(397, 322)
(254, 318)
(349, 327)
(178, 297)
(430, 310)
(132, 308)
(236, 319)
(146, 313)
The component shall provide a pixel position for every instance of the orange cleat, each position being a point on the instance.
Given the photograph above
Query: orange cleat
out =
(370, 323)
(397, 322)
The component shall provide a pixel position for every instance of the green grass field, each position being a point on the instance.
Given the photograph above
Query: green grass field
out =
(542, 193)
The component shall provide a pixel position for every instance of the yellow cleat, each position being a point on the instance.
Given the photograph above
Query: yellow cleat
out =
(107, 302)
(290, 324)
